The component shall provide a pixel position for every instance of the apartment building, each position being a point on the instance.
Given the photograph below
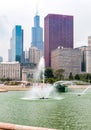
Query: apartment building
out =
(11, 70)
(68, 59)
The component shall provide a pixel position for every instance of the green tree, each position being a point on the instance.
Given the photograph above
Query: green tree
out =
(49, 73)
(88, 77)
(59, 74)
(71, 76)
(50, 80)
(77, 77)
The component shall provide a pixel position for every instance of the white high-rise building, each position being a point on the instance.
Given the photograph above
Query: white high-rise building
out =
(1, 59)
(16, 45)
(89, 40)
(11, 70)
(34, 55)
(88, 59)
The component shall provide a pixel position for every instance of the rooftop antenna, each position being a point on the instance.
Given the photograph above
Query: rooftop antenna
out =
(37, 9)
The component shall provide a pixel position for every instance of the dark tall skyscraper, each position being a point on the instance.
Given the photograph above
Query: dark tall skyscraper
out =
(37, 34)
(58, 31)
(16, 44)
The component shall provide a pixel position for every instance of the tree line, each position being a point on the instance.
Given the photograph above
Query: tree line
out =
(59, 75)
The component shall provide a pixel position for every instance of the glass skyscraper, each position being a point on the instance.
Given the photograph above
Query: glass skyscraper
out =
(37, 34)
(58, 31)
(16, 44)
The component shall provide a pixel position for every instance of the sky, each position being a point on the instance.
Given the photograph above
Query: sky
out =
(22, 12)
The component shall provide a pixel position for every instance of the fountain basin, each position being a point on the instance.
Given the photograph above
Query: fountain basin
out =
(8, 126)
(3, 90)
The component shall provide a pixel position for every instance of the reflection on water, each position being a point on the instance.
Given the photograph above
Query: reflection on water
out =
(71, 113)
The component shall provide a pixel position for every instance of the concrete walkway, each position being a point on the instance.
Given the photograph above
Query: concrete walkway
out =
(8, 126)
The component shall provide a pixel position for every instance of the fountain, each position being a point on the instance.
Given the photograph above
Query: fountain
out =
(41, 90)
(84, 91)
(45, 91)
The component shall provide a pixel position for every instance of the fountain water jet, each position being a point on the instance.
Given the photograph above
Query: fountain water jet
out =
(84, 91)
(41, 90)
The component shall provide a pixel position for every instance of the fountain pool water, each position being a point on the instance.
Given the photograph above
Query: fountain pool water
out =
(71, 113)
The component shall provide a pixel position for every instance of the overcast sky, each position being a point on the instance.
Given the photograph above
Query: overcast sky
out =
(22, 12)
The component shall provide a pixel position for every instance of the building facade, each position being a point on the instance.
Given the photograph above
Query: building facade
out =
(11, 70)
(37, 34)
(1, 59)
(83, 50)
(88, 59)
(26, 56)
(28, 73)
(34, 55)
(58, 31)
(89, 40)
(67, 59)
(16, 45)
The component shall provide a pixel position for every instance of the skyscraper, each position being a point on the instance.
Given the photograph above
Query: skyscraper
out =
(16, 44)
(89, 41)
(58, 31)
(34, 55)
(37, 34)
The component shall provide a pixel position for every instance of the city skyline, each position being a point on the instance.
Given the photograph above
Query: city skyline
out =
(16, 13)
